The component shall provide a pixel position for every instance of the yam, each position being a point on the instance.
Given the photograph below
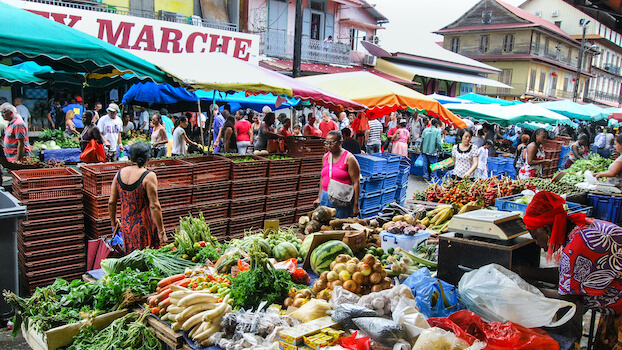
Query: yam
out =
(312, 227)
(323, 214)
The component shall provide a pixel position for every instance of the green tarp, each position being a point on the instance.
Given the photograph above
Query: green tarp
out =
(486, 100)
(10, 75)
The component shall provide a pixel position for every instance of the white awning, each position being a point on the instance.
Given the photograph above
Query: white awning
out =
(409, 72)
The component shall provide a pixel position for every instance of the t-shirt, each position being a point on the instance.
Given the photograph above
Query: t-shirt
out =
(78, 110)
(24, 113)
(241, 129)
(600, 140)
(309, 130)
(351, 145)
(168, 126)
(615, 180)
(110, 129)
(326, 127)
(127, 129)
(375, 130)
(144, 118)
(219, 121)
(179, 142)
(344, 123)
(609, 141)
(463, 160)
(482, 158)
(14, 131)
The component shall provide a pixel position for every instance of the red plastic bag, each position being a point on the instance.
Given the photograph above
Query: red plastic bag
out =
(469, 326)
(352, 343)
(242, 266)
(93, 153)
(289, 265)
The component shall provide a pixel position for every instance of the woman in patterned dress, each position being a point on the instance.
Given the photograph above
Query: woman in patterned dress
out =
(141, 214)
(534, 156)
(589, 253)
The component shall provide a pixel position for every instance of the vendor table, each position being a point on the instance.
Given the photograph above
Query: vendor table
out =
(458, 254)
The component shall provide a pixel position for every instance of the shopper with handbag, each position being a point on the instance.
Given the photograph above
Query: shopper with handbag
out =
(340, 181)
(91, 141)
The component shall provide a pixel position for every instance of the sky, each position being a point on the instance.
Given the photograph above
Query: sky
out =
(413, 20)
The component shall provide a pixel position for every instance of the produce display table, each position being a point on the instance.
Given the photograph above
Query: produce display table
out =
(65, 155)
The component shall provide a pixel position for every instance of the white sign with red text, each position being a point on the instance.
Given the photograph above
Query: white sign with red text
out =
(149, 38)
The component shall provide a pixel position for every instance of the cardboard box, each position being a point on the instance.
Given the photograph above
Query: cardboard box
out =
(295, 335)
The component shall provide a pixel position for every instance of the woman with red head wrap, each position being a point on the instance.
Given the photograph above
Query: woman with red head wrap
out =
(589, 253)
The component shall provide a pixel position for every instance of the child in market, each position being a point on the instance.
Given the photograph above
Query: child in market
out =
(482, 160)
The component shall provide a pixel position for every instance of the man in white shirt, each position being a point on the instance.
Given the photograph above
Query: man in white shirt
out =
(22, 110)
(143, 121)
(110, 126)
(344, 122)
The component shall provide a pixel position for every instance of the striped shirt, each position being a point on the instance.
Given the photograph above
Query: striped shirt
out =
(14, 131)
(375, 130)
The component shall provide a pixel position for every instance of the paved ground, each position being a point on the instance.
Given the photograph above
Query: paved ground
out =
(7, 342)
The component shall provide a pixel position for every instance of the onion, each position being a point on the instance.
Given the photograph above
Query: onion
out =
(288, 302)
(357, 277)
(297, 302)
(369, 259)
(324, 277)
(375, 278)
(350, 286)
(376, 288)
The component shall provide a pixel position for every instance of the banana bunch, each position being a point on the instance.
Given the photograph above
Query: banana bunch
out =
(438, 218)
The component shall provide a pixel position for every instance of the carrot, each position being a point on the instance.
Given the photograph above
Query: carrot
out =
(152, 300)
(168, 280)
(164, 294)
(183, 283)
(164, 303)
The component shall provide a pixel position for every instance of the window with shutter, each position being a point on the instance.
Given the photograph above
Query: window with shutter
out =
(508, 43)
(455, 44)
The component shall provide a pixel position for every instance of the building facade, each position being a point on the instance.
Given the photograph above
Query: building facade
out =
(605, 85)
(535, 57)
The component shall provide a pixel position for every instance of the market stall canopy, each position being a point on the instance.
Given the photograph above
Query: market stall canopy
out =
(178, 99)
(446, 99)
(217, 71)
(11, 75)
(572, 110)
(599, 113)
(510, 115)
(33, 37)
(409, 72)
(486, 100)
(535, 126)
(381, 95)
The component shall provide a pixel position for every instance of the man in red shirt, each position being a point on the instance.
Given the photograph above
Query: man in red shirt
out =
(327, 125)
(310, 129)
(16, 145)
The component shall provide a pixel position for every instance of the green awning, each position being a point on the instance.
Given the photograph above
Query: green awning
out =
(575, 110)
(33, 37)
(510, 115)
(10, 75)
(486, 100)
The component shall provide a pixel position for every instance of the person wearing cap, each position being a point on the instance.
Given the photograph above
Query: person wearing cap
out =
(587, 252)
(167, 122)
(78, 109)
(110, 126)
(400, 139)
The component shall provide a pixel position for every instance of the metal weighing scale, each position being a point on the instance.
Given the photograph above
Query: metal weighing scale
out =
(486, 223)
(481, 237)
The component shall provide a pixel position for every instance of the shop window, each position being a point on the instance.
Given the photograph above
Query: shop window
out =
(455, 44)
(558, 24)
(542, 81)
(483, 43)
(508, 43)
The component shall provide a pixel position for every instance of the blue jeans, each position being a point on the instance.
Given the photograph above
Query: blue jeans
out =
(342, 212)
(373, 148)
(427, 160)
(603, 152)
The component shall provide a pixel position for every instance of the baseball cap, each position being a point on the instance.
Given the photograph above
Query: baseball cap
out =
(113, 107)
(163, 111)
(79, 98)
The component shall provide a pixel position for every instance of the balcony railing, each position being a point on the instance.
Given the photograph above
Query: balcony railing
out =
(120, 10)
(603, 96)
(612, 68)
(562, 94)
(275, 43)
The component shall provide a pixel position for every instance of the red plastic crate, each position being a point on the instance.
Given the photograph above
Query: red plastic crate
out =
(27, 289)
(42, 228)
(46, 178)
(209, 168)
(286, 217)
(311, 164)
(66, 240)
(175, 196)
(303, 211)
(282, 167)
(553, 145)
(310, 181)
(213, 210)
(27, 195)
(306, 197)
(37, 265)
(282, 184)
(47, 203)
(240, 224)
(171, 172)
(248, 187)
(97, 178)
(247, 205)
(97, 206)
(96, 227)
(50, 274)
(281, 201)
(302, 146)
(48, 253)
(211, 191)
(58, 212)
(247, 169)
(565, 139)
(219, 228)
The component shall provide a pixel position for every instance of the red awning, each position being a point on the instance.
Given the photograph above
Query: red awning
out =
(285, 65)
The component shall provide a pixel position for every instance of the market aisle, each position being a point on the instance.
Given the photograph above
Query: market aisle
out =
(415, 183)
(7, 342)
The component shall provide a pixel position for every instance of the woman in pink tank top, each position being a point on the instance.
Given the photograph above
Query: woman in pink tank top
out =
(345, 169)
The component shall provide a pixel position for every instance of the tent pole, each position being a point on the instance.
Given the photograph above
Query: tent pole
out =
(200, 124)
(210, 120)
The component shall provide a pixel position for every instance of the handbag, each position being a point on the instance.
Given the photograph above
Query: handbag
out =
(339, 194)
(93, 153)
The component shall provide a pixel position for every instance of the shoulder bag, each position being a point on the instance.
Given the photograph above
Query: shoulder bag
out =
(339, 194)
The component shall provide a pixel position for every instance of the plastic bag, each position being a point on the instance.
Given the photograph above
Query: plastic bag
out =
(434, 297)
(419, 162)
(384, 331)
(289, 265)
(352, 343)
(470, 327)
(407, 314)
(498, 294)
(345, 313)
(342, 296)
(380, 302)
(93, 153)
(437, 338)
(315, 308)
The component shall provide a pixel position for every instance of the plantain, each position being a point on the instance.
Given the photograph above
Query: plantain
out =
(439, 215)
(473, 205)
(438, 208)
(425, 221)
(443, 216)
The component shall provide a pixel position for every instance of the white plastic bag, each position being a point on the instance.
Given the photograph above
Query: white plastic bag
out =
(439, 339)
(498, 294)
(407, 314)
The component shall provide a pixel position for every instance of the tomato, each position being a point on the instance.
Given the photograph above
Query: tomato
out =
(202, 244)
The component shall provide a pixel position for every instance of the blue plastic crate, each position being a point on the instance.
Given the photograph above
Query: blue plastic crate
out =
(401, 201)
(400, 192)
(508, 204)
(371, 165)
(370, 212)
(390, 181)
(371, 185)
(494, 165)
(368, 201)
(563, 157)
(388, 195)
(402, 175)
(606, 208)
(393, 161)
